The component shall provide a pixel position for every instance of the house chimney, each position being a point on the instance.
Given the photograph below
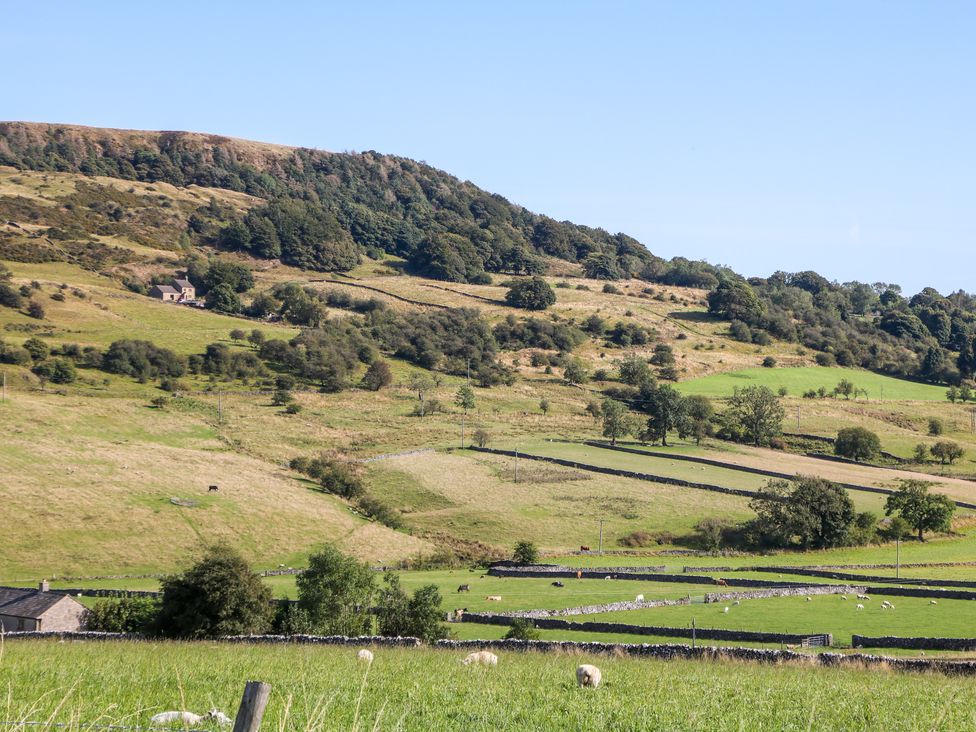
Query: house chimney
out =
(43, 586)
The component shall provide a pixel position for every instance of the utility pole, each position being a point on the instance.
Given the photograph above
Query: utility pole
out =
(462, 431)
(4, 386)
(972, 412)
(798, 417)
(897, 558)
(469, 371)
(220, 407)
(601, 537)
(692, 632)
(516, 465)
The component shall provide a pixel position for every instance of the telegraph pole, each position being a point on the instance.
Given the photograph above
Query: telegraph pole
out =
(220, 407)
(4, 387)
(516, 465)
(897, 558)
(798, 417)
(601, 537)
(462, 431)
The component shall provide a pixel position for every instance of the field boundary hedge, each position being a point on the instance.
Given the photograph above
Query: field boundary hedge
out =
(753, 636)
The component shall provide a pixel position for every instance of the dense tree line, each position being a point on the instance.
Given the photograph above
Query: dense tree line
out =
(323, 208)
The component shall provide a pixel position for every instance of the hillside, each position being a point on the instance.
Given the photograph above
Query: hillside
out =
(152, 402)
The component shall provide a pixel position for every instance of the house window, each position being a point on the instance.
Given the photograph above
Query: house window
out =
(20, 624)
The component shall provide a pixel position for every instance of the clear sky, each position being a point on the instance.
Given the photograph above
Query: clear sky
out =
(835, 136)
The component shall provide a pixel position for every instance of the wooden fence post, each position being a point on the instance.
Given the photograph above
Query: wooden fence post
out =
(253, 702)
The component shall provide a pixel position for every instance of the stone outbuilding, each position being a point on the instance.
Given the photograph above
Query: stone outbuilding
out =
(166, 293)
(26, 609)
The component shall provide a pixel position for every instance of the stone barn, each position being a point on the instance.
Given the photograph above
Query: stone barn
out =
(166, 293)
(24, 609)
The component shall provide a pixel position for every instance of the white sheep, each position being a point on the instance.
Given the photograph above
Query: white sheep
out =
(481, 658)
(933, 602)
(809, 599)
(493, 598)
(843, 597)
(365, 655)
(736, 602)
(187, 718)
(588, 675)
(607, 577)
(640, 598)
(860, 606)
(726, 609)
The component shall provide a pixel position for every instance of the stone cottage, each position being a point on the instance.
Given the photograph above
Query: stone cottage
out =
(26, 609)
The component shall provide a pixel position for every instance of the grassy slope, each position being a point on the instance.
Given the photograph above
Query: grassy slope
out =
(321, 689)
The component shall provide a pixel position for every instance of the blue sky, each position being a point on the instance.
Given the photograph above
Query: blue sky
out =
(835, 136)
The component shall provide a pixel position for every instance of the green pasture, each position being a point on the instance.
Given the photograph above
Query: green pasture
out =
(803, 378)
(912, 616)
(319, 688)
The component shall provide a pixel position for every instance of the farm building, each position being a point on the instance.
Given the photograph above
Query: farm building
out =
(186, 289)
(166, 293)
(24, 609)
(178, 290)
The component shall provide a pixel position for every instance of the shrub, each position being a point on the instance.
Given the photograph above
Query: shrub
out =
(522, 629)
(57, 371)
(611, 289)
(525, 553)
(293, 408)
(936, 426)
(921, 454)
(219, 595)
(947, 451)
(637, 539)
(123, 615)
(481, 437)
(769, 362)
(532, 294)
(418, 616)
(825, 359)
(857, 443)
(35, 310)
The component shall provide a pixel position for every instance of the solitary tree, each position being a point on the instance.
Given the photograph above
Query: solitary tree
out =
(810, 513)
(377, 375)
(922, 510)
(464, 398)
(845, 388)
(532, 294)
(335, 593)
(947, 451)
(700, 414)
(667, 411)
(575, 372)
(617, 421)
(857, 443)
(757, 412)
(525, 553)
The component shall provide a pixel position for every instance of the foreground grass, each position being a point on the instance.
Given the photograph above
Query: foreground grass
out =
(326, 689)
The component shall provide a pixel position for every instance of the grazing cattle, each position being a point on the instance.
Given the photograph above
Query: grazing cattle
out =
(493, 598)
(464, 588)
(584, 548)
(721, 583)
(588, 676)
(213, 489)
(557, 583)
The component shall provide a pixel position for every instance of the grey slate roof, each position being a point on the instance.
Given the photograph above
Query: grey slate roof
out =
(23, 603)
(166, 288)
(182, 283)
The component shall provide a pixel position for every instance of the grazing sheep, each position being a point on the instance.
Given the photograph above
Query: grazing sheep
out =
(493, 598)
(726, 609)
(640, 598)
(860, 606)
(843, 597)
(933, 602)
(607, 577)
(481, 658)
(187, 718)
(588, 675)
(365, 655)
(558, 584)
(464, 588)
(736, 602)
(809, 599)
